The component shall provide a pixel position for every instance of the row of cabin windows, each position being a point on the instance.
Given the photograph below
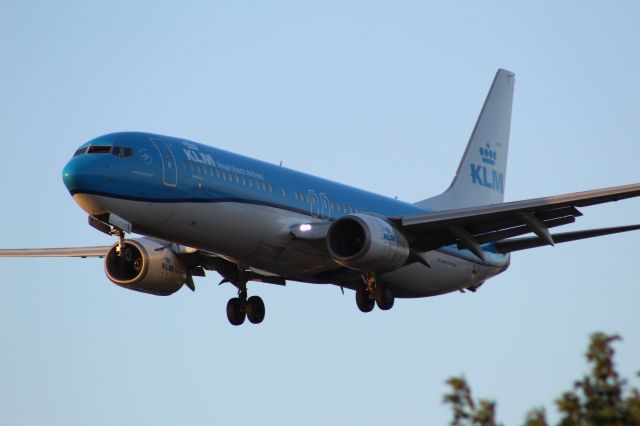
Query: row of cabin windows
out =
(118, 151)
(326, 202)
(227, 176)
(251, 183)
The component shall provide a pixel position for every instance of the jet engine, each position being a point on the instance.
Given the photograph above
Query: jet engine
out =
(145, 265)
(367, 243)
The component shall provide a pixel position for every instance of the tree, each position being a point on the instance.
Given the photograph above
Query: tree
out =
(465, 412)
(598, 399)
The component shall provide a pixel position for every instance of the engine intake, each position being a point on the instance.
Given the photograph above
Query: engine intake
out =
(367, 243)
(145, 266)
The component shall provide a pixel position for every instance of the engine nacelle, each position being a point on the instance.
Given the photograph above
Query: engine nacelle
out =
(367, 243)
(146, 266)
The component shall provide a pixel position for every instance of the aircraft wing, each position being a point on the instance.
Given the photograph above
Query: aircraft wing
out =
(515, 244)
(473, 226)
(94, 251)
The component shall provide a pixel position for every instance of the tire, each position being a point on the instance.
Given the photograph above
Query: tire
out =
(234, 313)
(384, 297)
(255, 309)
(364, 302)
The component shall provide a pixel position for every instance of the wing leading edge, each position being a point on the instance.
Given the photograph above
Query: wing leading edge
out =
(94, 251)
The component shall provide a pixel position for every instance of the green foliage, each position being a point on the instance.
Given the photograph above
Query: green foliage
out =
(466, 412)
(536, 417)
(598, 399)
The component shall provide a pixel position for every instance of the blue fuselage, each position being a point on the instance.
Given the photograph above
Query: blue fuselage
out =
(166, 169)
(241, 208)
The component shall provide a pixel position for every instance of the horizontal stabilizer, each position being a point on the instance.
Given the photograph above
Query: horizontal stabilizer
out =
(516, 244)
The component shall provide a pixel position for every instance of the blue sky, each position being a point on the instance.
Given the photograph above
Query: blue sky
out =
(380, 95)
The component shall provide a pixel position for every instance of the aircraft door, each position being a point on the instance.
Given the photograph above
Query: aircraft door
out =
(169, 169)
(314, 205)
(325, 209)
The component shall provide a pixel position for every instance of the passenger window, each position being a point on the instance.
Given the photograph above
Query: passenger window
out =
(250, 183)
(244, 181)
(237, 179)
(218, 173)
(284, 192)
(270, 187)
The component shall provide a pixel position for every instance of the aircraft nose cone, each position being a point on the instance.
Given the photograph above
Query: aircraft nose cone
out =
(82, 177)
(75, 175)
(69, 176)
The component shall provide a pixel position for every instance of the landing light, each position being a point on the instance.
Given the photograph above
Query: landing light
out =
(305, 227)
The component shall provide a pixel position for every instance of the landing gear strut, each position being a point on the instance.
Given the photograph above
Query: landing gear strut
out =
(239, 308)
(120, 234)
(374, 293)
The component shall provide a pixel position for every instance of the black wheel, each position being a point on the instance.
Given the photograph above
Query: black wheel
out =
(364, 302)
(384, 297)
(255, 309)
(234, 311)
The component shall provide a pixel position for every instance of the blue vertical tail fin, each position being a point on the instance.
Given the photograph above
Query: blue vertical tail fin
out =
(481, 176)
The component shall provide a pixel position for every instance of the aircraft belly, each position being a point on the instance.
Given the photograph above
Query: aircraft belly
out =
(447, 273)
(150, 214)
(259, 236)
(233, 229)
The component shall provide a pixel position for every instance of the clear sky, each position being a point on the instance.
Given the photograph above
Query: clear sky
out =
(380, 95)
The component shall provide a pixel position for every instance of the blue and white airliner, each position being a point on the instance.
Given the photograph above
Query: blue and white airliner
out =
(199, 208)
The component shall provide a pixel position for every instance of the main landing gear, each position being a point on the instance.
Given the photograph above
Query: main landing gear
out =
(240, 307)
(374, 293)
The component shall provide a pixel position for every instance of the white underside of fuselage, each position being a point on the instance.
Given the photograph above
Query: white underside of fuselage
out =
(258, 236)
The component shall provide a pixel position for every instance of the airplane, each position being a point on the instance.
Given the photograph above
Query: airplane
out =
(198, 208)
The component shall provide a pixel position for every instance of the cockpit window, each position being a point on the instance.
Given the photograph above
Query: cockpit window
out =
(118, 151)
(80, 151)
(99, 149)
(122, 151)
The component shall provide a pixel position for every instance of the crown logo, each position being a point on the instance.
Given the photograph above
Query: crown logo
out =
(488, 155)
